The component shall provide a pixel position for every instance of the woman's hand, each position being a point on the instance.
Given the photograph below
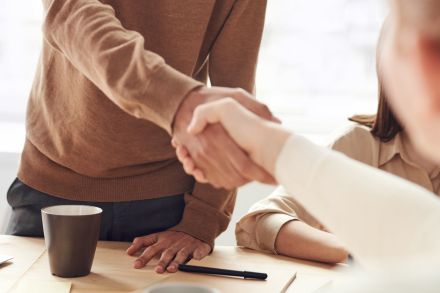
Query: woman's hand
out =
(261, 139)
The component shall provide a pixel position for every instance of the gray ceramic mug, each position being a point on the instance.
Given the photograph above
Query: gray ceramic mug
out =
(71, 234)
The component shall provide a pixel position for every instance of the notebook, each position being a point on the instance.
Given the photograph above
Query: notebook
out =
(305, 283)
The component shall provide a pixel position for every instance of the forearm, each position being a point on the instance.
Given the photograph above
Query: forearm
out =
(272, 138)
(297, 239)
(94, 41)
(207, 212)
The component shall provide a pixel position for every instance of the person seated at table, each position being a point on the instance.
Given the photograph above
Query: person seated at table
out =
(387, 223)
(281, 225)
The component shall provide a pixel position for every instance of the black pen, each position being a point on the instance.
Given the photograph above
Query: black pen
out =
(222, 272)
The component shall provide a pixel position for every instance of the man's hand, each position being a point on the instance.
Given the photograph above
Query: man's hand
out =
(173, 247)
(213, 151)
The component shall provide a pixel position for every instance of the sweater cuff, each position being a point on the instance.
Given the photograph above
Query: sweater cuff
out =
(201, 221)
(268, 228)
(168, 88)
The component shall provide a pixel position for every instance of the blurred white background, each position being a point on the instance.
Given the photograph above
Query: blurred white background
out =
(316, 68)
(317, 63)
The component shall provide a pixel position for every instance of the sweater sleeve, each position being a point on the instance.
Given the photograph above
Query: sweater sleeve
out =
(232, 63)
(381, 218)
(207, 212)
(90, 36)
(234, 55)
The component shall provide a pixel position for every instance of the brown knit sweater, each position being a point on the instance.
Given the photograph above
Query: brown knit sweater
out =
(110, 79)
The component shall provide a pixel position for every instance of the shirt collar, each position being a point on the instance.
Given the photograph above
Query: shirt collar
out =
(397, 147)
(390, 149)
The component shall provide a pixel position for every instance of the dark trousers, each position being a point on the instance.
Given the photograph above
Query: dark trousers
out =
(121, 221)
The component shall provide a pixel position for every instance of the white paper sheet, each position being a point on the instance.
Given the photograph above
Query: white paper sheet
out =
(5, 258)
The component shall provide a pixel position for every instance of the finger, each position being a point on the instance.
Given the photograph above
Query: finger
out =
(248, 169)
(181, 156)
(199, 176)
(165, 259)
(249, 101)
(188, 165)
(186, 160)
(224, 174)
(174, 143)
(201, 251)
(233, 178)
(148, 255)
(276, 119)
(181, 257)
(209, 157)
(211, 113)
(202, 115)
(141, 242)
(246, 99)
(182, 151)
(270, 180)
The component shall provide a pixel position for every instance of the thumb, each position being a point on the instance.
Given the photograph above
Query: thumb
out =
(203, 115)
(201, 251)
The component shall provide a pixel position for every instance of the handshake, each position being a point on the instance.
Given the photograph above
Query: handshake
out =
(225, 137)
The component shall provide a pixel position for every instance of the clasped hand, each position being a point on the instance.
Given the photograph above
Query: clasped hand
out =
(260, 139)
(221, 160)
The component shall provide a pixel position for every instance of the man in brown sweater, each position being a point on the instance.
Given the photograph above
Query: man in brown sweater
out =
(116, 79)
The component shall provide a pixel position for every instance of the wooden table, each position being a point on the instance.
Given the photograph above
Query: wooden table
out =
(113, 271)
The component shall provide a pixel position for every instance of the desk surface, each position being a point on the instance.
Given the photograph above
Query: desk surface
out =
(113, 271)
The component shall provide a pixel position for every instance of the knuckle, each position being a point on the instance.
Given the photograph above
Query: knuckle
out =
(186, 251)
(153, 249)
(136, 240)
(183, 254)
(143, 258)
(228, 102)
(199, 110)
(168, 253)
(240, 91)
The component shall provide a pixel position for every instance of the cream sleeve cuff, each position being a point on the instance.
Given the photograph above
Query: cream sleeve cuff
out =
(268, 228)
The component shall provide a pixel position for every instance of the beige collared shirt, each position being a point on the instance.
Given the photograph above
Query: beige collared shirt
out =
(259, 228)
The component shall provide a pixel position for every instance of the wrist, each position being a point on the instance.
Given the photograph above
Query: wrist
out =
(184, 112)
(277, 136)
